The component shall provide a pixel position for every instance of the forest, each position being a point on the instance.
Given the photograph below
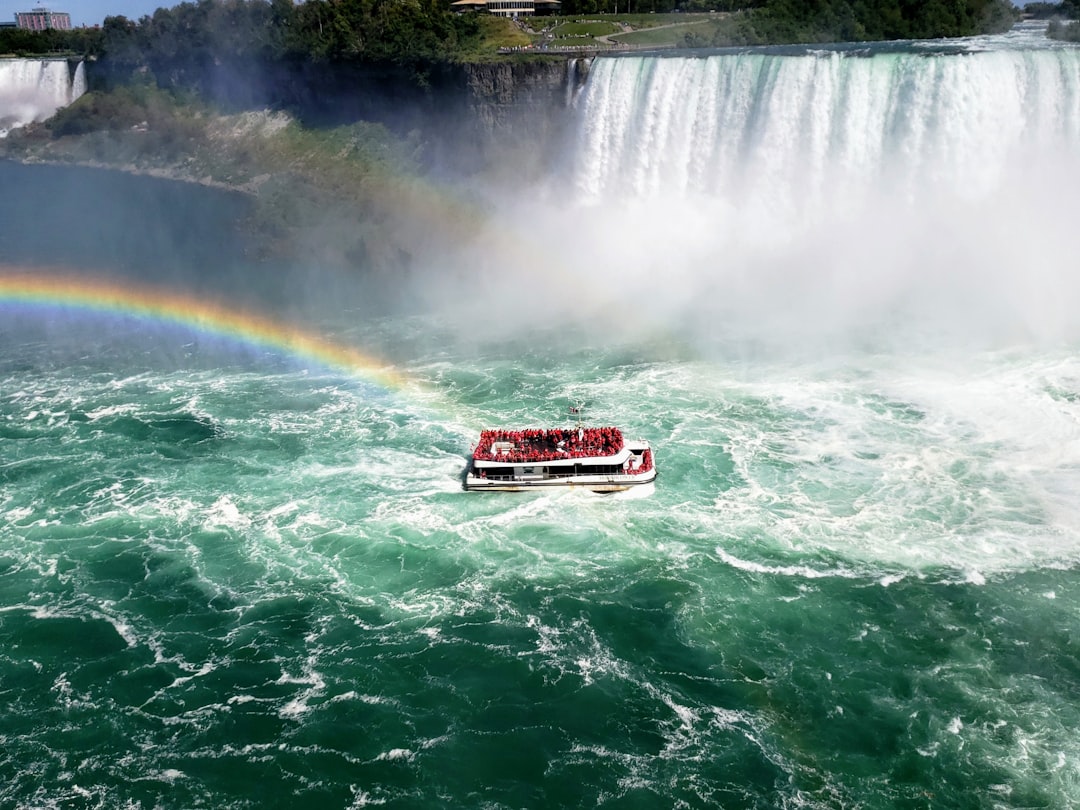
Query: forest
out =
(182, 39)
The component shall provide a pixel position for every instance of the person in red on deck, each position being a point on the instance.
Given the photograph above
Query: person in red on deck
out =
(546, 445)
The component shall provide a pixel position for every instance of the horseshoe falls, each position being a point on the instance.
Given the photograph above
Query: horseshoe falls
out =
(825, 193)
(834, 289)
(806, 132)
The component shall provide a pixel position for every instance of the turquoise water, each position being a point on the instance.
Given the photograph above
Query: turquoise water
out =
(234, 581)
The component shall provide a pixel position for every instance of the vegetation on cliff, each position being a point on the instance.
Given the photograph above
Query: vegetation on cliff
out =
(23, 42)
(1066, 9)
(195, 33)
(797, 21)
(183, 41)
(1058, 14)
(1068, 32)
(340, 196)
(330, 148)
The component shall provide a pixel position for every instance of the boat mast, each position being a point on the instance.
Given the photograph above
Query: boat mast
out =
(577, 410)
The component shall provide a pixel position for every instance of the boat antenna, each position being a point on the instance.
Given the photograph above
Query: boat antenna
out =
(577, 410)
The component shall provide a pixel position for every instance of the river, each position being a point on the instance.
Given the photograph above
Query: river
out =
(237, 567)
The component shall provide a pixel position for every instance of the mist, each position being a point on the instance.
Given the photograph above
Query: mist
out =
(794, 205)
(737, 205)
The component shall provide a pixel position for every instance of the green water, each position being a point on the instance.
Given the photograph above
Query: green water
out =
(236, 581)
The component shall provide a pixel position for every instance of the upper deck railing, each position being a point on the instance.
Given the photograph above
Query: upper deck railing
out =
(583, 50)
(533, 445)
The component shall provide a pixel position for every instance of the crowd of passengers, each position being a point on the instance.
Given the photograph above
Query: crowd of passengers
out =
(549, 445)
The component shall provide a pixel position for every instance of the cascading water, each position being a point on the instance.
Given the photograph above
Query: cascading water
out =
(34, 89)
(798, 129)
(78, 81)
(841, 184)
(577, 71)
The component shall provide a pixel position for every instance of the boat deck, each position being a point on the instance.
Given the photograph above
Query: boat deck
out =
(599, 459)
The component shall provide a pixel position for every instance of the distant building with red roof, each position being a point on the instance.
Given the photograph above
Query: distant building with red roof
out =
(41, 19)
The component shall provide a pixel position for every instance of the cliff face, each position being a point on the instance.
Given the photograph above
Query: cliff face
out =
(494, 125)
(504, 94)
(521, 111)
(467, 114)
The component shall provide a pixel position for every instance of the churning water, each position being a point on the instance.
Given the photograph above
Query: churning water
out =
(229, 578)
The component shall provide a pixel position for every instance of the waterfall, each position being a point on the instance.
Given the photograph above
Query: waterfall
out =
(766, 192)
(577, 72)
(34, 89)
(78, 82)
(795, 132)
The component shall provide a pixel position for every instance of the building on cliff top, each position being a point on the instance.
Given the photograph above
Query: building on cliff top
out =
(510, 8)
(41, 19)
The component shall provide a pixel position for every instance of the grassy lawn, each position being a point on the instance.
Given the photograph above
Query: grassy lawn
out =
(651, 30)
(582, 28)
(495, 33)
(660, 37)
(611, 20)
(640, 21)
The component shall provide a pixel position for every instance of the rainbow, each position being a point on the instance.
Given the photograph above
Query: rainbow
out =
(171, 307)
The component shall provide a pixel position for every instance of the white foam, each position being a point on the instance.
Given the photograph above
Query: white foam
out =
(120, 409)
(19, 513)
(397, 754)
(226, 515)
(800, 571)
(300, 705)
(361, 798)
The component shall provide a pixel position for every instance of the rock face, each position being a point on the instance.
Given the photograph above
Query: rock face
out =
(507, 95)
(467, 114)
(521, 111)
(496, 126)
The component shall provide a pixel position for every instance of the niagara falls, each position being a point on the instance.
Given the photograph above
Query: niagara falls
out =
(831, 284)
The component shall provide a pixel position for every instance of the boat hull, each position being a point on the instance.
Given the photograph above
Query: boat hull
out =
(593, 483)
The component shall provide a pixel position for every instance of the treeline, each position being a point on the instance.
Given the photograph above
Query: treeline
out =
(190, 38)
(1056, 13)
(350, 30)
(1067, 9)
(21, 42)
(794, 21)
(211, 31)
(577, 8)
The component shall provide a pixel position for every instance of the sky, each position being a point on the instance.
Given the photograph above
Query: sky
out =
(92, 12)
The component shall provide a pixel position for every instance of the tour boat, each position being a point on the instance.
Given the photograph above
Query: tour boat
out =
(593, 458)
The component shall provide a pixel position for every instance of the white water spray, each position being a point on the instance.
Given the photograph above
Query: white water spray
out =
(791, 134)
(792, 200)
